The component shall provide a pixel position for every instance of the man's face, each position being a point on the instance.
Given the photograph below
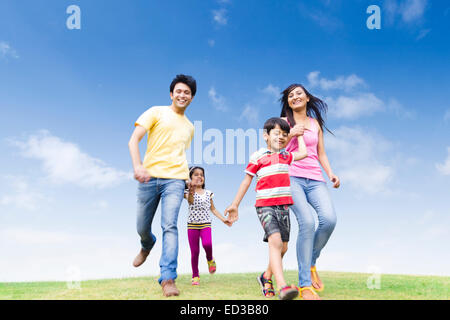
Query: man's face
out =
(276, 139)
(181, 95)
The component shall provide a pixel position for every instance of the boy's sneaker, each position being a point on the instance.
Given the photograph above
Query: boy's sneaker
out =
(195, 281)
(266, 286)
(288, 293)
(212, 266)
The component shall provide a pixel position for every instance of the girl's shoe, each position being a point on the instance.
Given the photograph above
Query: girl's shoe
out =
(266, 286)
(195, 281)
(288, 293)
(212, 266)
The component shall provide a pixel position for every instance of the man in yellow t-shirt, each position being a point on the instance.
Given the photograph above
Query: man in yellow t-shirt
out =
(162, 175)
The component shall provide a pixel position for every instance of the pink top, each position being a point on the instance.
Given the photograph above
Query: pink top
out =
(308, 167)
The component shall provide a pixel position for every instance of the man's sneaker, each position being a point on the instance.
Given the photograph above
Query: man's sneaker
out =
(195, 281)
(288, 293)
(212, 266)
(141, 257)
(266, 286)
(169, 288)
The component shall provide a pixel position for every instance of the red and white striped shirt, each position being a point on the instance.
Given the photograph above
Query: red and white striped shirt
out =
(273, 186)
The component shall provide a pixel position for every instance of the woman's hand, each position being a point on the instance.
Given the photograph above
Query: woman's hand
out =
(335, 179)
(297, 130)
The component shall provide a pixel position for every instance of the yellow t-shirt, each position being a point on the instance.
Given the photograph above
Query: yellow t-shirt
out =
(168, 136)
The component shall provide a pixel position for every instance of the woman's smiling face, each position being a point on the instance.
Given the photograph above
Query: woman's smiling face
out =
(297, 98)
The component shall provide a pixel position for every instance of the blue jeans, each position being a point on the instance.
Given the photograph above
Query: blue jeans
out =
(170, 192)
(310, 241)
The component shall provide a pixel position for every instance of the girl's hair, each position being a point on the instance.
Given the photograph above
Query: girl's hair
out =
(315, 108)
(191, 172)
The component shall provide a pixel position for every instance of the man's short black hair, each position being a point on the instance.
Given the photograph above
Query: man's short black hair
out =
(273, 122)
(187, 80)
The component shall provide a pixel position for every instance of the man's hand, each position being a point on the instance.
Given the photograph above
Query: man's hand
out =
(141, 174)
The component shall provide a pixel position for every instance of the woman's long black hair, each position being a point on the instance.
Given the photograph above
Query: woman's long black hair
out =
(315, 108)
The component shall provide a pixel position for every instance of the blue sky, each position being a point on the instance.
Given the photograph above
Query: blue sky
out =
(69, 99)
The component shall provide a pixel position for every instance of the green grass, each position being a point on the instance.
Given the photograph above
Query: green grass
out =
(339, 285)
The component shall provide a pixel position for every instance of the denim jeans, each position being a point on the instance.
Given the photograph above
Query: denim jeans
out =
(310, 241)
(170, 192)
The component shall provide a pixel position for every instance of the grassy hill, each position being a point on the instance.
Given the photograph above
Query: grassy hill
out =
(339, 285)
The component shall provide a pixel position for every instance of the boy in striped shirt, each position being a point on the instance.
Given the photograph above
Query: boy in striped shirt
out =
(273, 196)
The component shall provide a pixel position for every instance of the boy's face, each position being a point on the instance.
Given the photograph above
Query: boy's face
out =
(276, 139)
(181, 95)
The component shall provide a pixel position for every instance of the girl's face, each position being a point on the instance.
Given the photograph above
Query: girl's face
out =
(198, 177)
(297, 99)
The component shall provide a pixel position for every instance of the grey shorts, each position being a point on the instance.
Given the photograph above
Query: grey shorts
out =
(275, 219)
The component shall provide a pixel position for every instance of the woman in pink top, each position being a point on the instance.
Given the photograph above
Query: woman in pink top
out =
(304, 113)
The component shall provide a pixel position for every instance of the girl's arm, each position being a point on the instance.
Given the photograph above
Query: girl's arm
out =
(218, 215)
(232, 210)
(323, 159)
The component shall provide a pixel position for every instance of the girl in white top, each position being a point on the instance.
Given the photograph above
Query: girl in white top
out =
(199, 220)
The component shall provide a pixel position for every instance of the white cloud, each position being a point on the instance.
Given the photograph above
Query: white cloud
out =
(445, 167)
(447, 115)
(345, 107)
(7, 51)
(272, 91)
(342, 83)
(217, 100)
(249, 114)
(219, 16)
(358, 159)
(410, 11)
(401, 112)
(65, 162)
(422, 34)
(211, 42)
(21, 195)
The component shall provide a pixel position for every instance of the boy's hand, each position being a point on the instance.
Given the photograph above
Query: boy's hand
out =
(141, 174)
(232, 213)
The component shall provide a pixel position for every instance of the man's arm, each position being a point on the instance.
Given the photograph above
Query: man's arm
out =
(140, 173)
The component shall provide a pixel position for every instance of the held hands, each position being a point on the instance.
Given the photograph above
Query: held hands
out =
(141, 174)
(232, 213)
(297, 130)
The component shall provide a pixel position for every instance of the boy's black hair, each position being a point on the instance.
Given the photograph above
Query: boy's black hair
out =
(187, 80)
(273, 122)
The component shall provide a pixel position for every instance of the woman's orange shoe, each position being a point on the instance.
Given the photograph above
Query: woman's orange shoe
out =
(315, 277)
